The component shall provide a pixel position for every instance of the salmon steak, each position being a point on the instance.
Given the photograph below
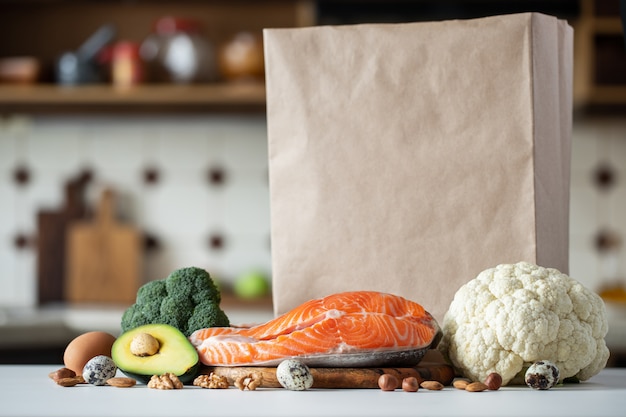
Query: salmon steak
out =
(360, 328)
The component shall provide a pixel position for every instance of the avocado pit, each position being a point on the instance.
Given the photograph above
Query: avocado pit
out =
(144, 344)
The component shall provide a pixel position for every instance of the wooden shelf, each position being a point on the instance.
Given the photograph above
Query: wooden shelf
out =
(156, 97)
(607, 25)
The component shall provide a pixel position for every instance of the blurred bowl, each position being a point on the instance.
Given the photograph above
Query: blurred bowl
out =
(19, 70)
(241, 58)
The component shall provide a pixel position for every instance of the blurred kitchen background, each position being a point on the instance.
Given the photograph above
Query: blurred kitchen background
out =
(162, 104)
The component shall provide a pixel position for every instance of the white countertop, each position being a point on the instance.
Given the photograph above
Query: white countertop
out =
(26, 390)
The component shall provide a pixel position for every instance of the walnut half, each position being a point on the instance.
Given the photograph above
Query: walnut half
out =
(211, 381)
(251, 381)
(165, 381)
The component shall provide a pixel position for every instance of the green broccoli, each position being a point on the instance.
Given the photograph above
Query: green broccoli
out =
(187, 299)
(206, 311)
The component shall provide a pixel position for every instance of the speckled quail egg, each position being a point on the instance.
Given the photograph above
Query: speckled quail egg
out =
(294, 375)
(99, 369)
(542, 375)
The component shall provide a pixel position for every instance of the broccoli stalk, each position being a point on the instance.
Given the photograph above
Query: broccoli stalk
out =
(187, 299)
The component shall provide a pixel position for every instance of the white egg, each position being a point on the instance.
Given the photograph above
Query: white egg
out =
(294, 375)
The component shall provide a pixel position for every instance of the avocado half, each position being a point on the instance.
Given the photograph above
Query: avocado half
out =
(175, 354)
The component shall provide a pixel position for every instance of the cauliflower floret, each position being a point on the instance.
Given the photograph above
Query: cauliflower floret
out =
(513, 315)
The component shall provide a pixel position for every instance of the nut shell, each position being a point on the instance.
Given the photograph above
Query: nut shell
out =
(493, 381)
(410, 384)
(387, 382)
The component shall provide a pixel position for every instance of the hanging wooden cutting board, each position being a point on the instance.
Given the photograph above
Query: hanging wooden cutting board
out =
(51, 241)
(104, 258)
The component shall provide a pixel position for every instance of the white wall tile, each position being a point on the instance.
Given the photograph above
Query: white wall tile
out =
(183, 208)
(584, 262)
(583, 211)
(8, 275)
(584, 154)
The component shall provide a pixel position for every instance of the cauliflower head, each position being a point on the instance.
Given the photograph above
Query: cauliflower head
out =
(513, 315)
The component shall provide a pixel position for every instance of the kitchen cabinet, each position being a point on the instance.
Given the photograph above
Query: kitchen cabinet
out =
(600, 55)
(47, 29)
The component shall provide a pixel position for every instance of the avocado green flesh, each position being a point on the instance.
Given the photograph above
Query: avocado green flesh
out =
(176, 354)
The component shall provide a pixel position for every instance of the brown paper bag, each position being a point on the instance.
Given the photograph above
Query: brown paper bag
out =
(407, 158)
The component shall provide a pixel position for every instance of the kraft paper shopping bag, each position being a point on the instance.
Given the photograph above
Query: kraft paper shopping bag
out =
(407, 158)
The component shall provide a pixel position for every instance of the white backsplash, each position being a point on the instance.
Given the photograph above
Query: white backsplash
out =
(183, 208)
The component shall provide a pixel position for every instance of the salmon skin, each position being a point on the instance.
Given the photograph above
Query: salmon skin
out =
(359, 328)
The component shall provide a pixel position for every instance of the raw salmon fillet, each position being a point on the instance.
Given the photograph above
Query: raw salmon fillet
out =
(361, 323)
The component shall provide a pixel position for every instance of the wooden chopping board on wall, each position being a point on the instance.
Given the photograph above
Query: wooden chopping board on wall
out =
(103, 257)
(52, 238)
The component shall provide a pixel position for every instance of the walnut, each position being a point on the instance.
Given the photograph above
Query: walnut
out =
(211, 381)
(165, 381)
(251, 381)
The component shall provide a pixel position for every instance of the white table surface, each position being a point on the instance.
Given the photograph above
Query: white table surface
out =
(26, 390)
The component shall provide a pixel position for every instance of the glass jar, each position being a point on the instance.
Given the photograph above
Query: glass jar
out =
(126, 65)
(177, 52)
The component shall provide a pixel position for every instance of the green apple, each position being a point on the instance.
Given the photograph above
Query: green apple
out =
(252, 284)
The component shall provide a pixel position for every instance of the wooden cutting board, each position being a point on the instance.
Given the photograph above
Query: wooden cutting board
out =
(51, 241)
(429, 369)
(103, 258)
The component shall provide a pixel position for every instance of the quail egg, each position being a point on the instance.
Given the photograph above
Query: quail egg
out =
(542, 375)
(99, 369)
(294, 375)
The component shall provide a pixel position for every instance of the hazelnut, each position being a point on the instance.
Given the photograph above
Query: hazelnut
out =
(493, 381)
(410, 384)
(144, 344)
(387, 382)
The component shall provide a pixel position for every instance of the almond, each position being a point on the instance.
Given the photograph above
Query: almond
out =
(70, 381)
(460, 383)
(432, 385)
(476, 387)
(121, 382)
(61, 373)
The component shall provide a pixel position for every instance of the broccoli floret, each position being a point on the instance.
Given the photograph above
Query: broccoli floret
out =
(207, 314)
(195, 283)
(176, 310)
(187, 299)
(151, 291)
(140, 314)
